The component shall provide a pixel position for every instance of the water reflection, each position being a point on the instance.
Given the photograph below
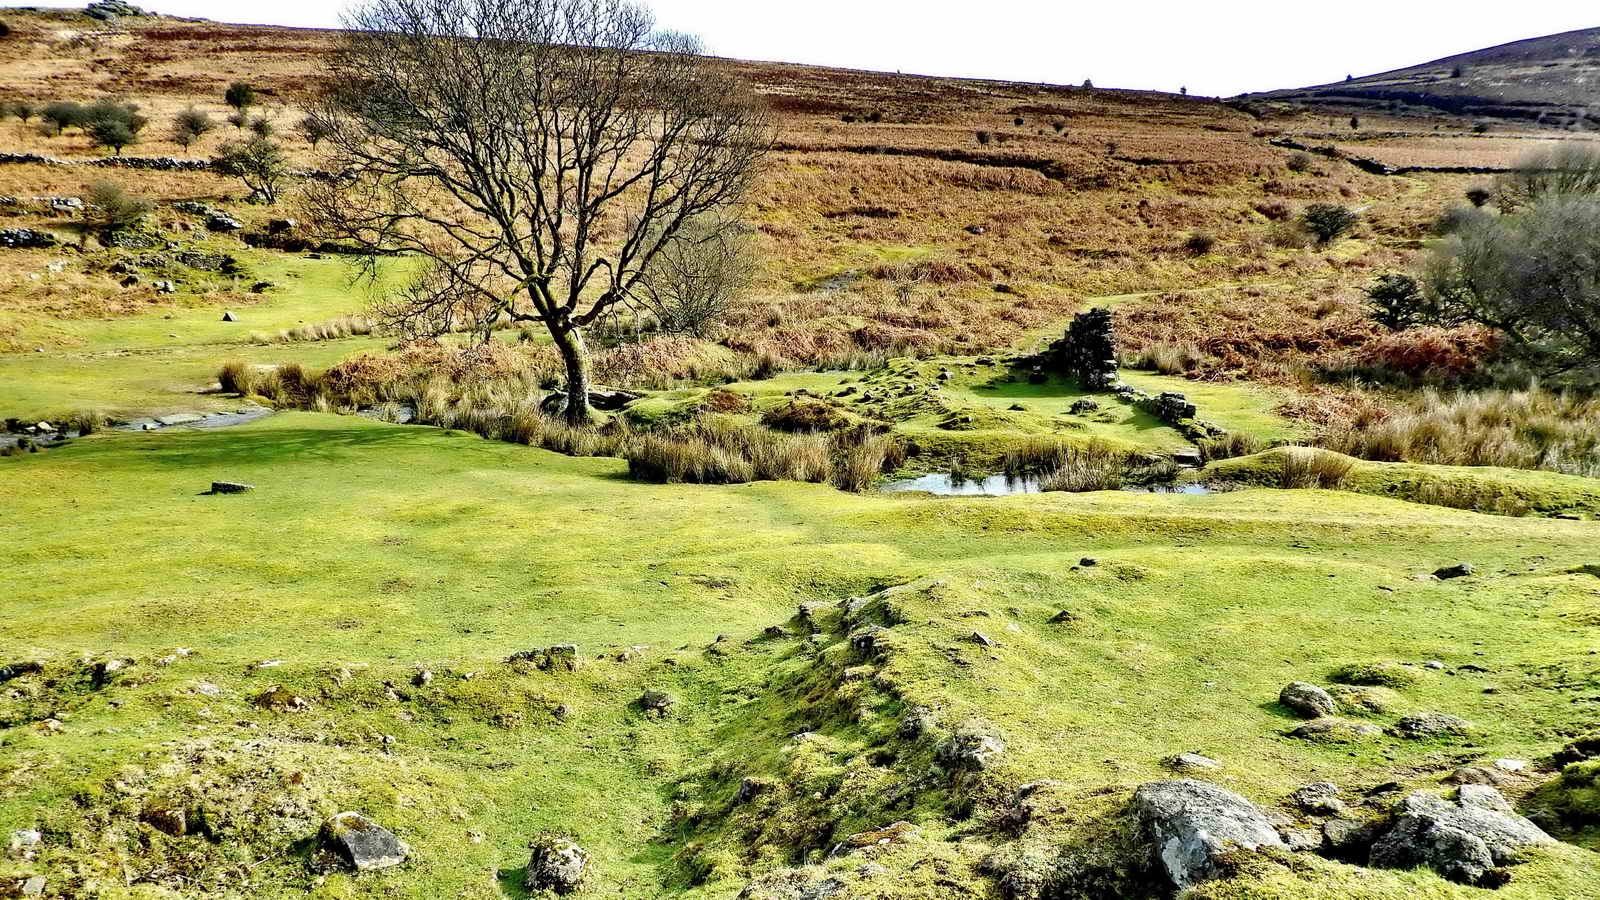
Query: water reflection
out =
(946, 484)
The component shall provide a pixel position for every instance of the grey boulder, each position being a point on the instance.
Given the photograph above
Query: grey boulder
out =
(1307, 700)
(557, 864)
(1460, 840)
(1192, 824)
(362, 844)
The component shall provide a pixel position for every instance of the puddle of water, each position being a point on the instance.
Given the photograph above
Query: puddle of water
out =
(948, 485)
(954, 486)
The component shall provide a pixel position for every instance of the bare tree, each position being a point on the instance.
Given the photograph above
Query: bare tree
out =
(259, 162)
(698, 274)
(540, 152)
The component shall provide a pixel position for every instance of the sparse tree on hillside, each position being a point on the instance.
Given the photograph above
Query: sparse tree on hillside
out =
(259, 162)
(63, 114)
(240, 95)
(312, 129)
(262, 126)
(542, 154)
(190, 126)
(112, 133)
(239, 119)
(1567, 169)
(24, 110)
(1533, 277)
(698, 274)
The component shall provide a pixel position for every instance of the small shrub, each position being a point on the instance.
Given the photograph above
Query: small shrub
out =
(1230, 446)
(240, 95)
(1458, 218)
(114, 208)
(983, 138)
(1478, 196)
(1300, 162)
(261, 126)
(1199, 243)
(1274, 210)
(190, 126)
(1018, 121)
(1327, 221)
(807, 415)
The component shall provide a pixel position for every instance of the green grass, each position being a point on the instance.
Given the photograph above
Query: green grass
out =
(156, 361)
(368, 550)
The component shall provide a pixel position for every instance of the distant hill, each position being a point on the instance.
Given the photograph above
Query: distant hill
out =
(1553, 80)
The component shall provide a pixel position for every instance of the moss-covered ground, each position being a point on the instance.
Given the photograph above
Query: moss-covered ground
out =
(369, 553)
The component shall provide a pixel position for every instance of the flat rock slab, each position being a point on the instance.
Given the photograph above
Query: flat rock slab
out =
(1461, 841)
(1193, 824)
(179, 419)
(230, 487)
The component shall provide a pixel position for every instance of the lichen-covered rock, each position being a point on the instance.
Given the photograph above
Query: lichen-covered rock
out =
(974, 746)
(1191, 824)
(1432, 724)
(360, 843)
(1319, 799)
(1330, 730)
(1191, 762)
(656, 702)
(806, 883)
(1307, 700)
(556, 864)
(1462, 841)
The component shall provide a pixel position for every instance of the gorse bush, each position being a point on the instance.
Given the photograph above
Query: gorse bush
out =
(114, 208)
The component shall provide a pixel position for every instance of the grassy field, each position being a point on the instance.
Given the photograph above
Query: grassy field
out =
(1199, 610)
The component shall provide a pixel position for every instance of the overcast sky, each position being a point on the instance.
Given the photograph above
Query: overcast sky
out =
(1221, 47)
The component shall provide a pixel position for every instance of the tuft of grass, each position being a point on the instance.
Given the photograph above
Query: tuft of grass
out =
(1375, 674)
(1310, 467)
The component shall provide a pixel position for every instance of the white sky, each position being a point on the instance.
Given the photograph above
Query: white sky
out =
(1214, 47)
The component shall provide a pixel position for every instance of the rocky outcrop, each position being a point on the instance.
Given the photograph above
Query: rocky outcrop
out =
(1191, 824)
(1462, 840)
(26, 239)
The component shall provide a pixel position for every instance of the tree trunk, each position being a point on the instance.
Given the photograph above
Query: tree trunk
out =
(569, 340)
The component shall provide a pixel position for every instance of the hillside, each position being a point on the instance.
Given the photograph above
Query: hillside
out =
(422, 638)
(1553, 81)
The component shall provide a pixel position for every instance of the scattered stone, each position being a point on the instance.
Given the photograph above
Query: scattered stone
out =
(280, 699)
(1461, 841)
(1434, 664)
(1432, 724)
(219, 221)
(179, 419)
(230, 487)
(656, 702)
(1193, 825)
(169, 820)
(1307, 700)
(33, 887)
(261, 287)
(24, 843)
(360, 843)
(982, 639)
(1083, 407)
(422, 678)
(1459, 570)
(1319, 799)
(26, 239)
(1336, 731)
(1191, 762)
(130, 281)
(917, 721)
(1511, 765)
(19, 669)
(228, 316)
(974, 747)
(776, 631)
(559, 658)
(166, 287)
(898, 833)
(1063, 617)
(750, 788)
(557, 864)
(1477, 775)
(1088, 562)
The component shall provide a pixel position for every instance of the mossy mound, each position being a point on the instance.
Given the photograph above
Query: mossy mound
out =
(1376, 674)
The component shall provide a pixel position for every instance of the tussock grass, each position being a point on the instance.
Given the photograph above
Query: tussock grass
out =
(1525, 429)
(1310, 467)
